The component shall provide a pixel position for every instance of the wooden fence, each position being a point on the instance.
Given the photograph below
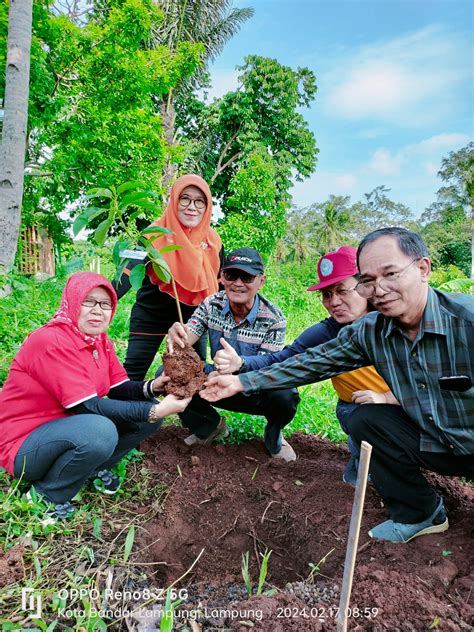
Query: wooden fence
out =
(36, 252)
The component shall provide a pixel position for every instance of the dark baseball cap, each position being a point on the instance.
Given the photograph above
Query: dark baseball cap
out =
(246, 259)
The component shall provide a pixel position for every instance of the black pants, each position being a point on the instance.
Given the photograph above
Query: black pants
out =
(278, 407)
(396, 461)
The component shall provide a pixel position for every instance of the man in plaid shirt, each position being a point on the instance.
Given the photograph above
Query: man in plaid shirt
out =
(241, 318)
(421, 341)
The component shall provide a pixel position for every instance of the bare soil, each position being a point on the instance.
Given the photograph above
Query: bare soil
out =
(230, 499)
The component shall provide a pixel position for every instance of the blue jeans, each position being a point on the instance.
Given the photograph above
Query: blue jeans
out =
(61, 455)
(344, 411)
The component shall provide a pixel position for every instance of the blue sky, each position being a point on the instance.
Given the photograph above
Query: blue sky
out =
(395, 90)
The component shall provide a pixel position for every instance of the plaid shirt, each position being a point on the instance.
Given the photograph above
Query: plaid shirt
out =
(444, 346)
(261, 331)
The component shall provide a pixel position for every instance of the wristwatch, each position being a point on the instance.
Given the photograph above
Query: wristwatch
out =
(153, 415)
(242, 366)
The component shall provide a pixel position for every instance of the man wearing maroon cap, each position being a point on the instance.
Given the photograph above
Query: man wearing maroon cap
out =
(421, 340)
(338, 276)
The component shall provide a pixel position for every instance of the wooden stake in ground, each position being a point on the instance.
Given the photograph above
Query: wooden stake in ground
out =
(353, 539)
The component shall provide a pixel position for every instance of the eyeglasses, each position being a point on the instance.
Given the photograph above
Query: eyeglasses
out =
(199, 203)
(327, 295)
(91, 302)
(233, 274)
(389, 283)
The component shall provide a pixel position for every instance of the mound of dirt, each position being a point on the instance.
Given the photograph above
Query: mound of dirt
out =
(186, 371)
(231, 499)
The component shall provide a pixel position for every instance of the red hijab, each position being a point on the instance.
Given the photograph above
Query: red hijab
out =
(196, 265)
(78, 286)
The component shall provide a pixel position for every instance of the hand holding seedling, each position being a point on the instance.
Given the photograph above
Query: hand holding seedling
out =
(179, 335)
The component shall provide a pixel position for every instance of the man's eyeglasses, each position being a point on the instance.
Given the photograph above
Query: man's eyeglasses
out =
(389, 283)
(233, 274)
(91, 302)
(199, 203)
(327, 295)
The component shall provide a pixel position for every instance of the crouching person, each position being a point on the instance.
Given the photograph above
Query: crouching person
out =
(57, 428)
(241, 317)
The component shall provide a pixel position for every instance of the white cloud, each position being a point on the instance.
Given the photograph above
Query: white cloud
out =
(410, 79)
(223, 81)
(384, 163)
(428, 152)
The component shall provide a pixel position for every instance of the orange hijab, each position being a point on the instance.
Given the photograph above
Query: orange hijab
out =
(196, 265)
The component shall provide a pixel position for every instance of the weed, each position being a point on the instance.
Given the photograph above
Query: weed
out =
(262, 575)
(263, 571)
(245, 572)
(315, 568)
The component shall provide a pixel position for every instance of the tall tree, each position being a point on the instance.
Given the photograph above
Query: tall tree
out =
(12, 151)
(210, 23)
(458, 171)
(254, 138)
(378, 210)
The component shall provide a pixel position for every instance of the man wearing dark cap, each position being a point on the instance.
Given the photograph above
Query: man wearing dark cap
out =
(239, 317)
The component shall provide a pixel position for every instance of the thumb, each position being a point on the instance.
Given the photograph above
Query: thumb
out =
(226, 345)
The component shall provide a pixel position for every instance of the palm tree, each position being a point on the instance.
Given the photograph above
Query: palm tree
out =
(211, 23)
(330, 222)
(12, 151)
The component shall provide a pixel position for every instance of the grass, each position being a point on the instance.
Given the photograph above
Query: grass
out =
(102, 536)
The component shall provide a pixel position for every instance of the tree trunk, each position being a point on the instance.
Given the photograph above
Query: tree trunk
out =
(168, 116)
(12, 150)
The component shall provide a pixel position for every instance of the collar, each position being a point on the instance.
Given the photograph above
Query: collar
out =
(251, 316)
(431, 322)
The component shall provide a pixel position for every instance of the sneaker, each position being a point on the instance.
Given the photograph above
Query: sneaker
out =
(53, 512)
(398, 532)
(106, 482)
(350, 472)
(286, 453)
(220, 431)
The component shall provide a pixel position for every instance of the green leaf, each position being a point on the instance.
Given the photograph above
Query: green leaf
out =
(93, 211)
(161, 272)
(135, 198)
(127, 186)
(137, 275)
(146, 204)
(37, 567)
(129, 540)
(120, 268)
(101, 231)
(150, 230)
(80, 222)
(170, 248)
(99, 192)
(96, 526)
(120, 246)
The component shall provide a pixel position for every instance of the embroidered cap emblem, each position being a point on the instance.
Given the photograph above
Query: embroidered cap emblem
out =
(326, 267)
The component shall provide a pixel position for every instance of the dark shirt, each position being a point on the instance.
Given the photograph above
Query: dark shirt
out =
(315, 335)
(444, 346)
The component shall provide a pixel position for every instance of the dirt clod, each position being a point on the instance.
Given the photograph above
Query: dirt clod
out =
(219, 506)
(186, 371)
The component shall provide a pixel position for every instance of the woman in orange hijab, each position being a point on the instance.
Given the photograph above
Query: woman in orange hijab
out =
(194, 267)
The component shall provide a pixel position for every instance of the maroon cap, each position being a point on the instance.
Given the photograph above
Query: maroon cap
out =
(336, 267)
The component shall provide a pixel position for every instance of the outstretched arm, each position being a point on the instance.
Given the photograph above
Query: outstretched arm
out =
(221, 386)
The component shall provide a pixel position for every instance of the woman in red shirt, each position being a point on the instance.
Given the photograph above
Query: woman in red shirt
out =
(57, 428)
